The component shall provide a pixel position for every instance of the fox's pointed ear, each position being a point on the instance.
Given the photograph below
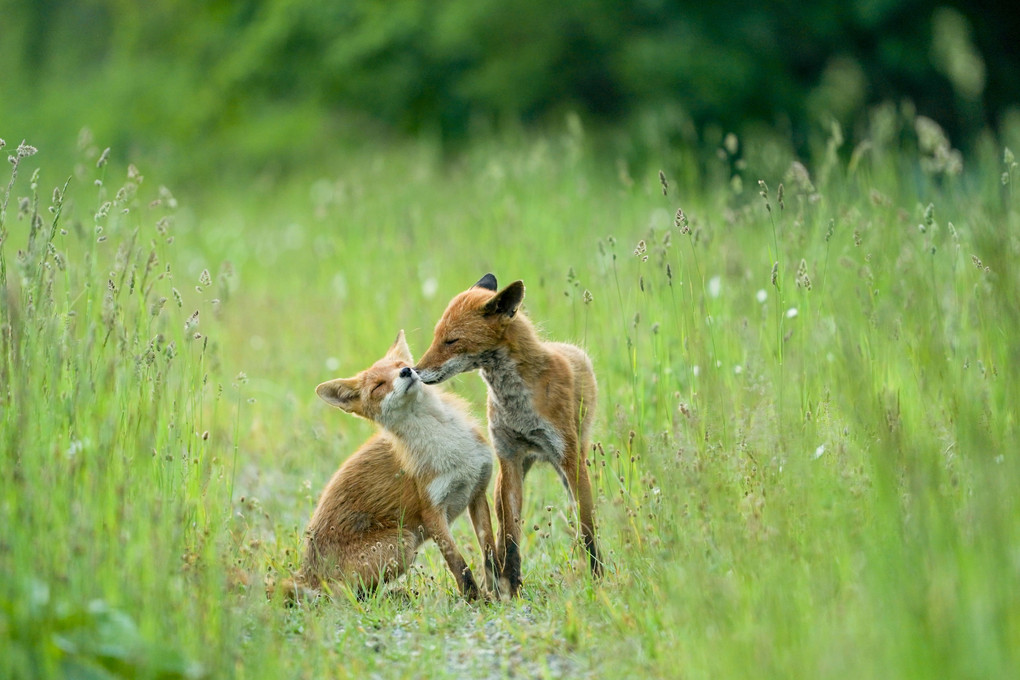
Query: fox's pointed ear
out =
(488, 282)
(506, 301)
(400, 350)
(344, 393)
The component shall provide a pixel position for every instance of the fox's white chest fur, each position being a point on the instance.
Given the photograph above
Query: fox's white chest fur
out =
(440, 443)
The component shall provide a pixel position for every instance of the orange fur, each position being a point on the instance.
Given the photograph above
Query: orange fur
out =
(396, 491)
(541, 403)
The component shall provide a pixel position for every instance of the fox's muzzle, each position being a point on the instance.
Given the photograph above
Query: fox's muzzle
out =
(459, 363)
(430, 376)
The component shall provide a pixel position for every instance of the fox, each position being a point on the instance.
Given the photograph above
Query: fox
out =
(541, 403)
(428, 462)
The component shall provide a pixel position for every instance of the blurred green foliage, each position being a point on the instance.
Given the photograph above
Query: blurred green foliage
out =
(267, 77)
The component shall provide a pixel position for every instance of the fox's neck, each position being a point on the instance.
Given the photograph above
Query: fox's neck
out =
(431, 437)
(521, 352)
(416, 423)
(521, 359)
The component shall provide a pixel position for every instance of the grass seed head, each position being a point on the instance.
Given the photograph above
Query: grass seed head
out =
(764, 193)
(663, 182)
(25, 150)
(681, 222)
(157, 306)
(803, 280)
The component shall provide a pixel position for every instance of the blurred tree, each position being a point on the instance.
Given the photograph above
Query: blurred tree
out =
(191, 69)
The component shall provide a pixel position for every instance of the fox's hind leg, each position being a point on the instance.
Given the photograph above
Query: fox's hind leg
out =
(482, 522)
(509, 497)
(377, 559)
(574, 471)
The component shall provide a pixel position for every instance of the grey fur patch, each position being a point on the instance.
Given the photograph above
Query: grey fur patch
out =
(515, 425)
(457, 498)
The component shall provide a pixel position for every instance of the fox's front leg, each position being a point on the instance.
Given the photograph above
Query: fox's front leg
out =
(482, 522)
(509, 490)
(438, 529)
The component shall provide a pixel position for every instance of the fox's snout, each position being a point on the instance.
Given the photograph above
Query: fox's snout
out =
(429, 376)
(443, 368)
(409, 373)
(407, 380)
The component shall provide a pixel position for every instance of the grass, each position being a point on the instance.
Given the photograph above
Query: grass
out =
(805, 460)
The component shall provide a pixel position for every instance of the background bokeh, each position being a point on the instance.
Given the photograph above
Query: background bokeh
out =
(786, 234)
(278, 81)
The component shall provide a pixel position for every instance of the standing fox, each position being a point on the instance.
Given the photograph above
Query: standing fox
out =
(404, 485)
(541, 404)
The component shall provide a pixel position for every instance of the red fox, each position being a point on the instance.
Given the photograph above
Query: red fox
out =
(541, 405)
(404, 485)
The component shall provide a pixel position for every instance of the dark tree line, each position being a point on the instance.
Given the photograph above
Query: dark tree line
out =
(190, 66)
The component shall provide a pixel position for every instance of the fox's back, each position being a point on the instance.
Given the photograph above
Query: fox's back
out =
(582, 371)
(369, 492)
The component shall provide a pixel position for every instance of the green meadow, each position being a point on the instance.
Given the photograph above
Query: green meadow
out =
(805, 449)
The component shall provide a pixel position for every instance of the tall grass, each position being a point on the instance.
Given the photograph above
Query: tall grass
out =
(112, 488)
(804, 460)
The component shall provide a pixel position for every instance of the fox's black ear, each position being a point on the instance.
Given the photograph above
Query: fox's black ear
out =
(506, 301)
(488, 282)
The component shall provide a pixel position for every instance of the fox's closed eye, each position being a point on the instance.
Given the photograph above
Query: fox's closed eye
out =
(451, 341)
(378, 385)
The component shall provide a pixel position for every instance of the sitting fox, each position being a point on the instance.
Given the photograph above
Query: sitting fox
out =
(541, 404)
(427, 464)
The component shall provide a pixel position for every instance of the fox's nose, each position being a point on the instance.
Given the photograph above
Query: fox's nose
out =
(405, 372)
